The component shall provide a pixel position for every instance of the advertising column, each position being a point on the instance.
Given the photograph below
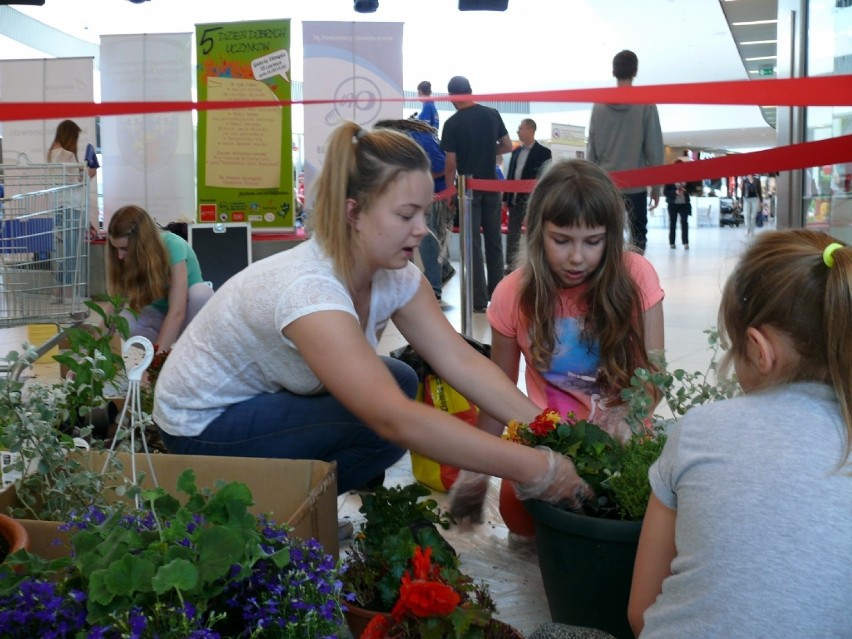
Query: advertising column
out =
(355, 64)
(245, 160)
(148, 158)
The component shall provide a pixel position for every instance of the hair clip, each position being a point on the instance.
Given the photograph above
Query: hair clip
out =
(828, 253)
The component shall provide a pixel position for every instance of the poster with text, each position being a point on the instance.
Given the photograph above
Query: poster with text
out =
(357, 65)
(245, 159)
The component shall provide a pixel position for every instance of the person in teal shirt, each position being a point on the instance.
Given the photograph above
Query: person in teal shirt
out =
(157, 273)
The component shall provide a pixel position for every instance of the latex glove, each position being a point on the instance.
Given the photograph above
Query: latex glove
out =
(560, 483)
(467, 496)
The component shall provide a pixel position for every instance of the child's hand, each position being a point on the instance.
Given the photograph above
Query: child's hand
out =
(559, 484)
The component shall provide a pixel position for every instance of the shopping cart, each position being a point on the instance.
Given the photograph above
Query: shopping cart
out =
(44, 255)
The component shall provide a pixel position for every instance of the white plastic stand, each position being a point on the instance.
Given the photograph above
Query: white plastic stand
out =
(133, 404)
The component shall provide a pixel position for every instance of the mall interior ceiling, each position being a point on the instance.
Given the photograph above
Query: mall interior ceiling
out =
(751, 26)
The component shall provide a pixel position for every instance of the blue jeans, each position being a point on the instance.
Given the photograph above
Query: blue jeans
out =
(289, 426)
(430, 248)
(485, 213)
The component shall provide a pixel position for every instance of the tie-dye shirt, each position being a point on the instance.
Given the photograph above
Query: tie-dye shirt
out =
(570, 383)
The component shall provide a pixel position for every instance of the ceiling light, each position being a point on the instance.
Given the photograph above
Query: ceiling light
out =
(753, 22)
(366, 6)
(746, 42)
(761, 57)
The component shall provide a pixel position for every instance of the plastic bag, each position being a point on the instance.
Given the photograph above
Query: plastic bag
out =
(436, 392)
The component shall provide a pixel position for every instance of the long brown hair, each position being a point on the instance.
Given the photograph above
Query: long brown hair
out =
(573, 193)
(67, 134)
(144, 274)
(361, 165)
(783, 281)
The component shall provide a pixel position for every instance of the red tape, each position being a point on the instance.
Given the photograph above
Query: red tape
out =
(815, 91)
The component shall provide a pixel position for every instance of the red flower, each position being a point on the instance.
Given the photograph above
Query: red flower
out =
(545, 422)
(425, 599)
(422, 562)
(377, 628)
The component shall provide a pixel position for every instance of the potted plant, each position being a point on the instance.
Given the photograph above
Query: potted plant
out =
(436, 602)
(400, 541)
(13, 537)
(201, 568)
(49, 484)
(587, 557)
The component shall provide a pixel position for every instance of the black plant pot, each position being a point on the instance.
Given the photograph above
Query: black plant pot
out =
(586, 565)
(100, 419)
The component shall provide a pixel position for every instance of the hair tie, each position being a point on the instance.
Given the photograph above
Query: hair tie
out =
(360, 134)
(828, 253)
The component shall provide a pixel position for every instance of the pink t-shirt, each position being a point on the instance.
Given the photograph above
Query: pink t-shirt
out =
(569, 385)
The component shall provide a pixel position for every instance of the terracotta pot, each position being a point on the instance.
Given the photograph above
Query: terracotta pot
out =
(516, 517)
(357, 618)
(14, 534)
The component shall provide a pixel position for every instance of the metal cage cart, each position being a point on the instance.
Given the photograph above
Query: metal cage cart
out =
(44, 254)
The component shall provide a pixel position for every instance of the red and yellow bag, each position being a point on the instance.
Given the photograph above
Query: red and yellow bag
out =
(435, 392)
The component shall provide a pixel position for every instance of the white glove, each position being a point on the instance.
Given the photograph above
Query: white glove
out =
(560, 483)
(467, 496)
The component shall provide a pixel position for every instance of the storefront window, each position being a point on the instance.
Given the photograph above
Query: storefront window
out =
(827, 189)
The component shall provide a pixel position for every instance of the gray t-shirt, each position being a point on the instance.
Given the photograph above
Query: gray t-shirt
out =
(234, 350)
(764, 519)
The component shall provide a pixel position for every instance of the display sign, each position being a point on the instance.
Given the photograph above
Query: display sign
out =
(245, 161)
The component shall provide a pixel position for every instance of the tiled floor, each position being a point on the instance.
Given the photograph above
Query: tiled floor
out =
(692, 281)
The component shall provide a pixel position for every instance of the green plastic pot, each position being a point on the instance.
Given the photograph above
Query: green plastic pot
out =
(586, 565)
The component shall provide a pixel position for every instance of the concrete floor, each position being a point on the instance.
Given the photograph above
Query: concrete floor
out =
(692, 281)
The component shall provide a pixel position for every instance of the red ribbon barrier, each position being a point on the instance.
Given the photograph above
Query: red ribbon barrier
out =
(797, 156)
(816, 91)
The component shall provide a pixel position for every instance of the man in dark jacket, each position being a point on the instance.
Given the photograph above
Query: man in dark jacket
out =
(526, 164)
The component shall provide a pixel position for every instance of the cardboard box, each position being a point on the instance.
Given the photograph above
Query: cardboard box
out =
(302, 493)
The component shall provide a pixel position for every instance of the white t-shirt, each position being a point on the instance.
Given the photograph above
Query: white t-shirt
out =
(234, 349)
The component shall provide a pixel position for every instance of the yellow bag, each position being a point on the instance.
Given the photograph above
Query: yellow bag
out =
(434, 391)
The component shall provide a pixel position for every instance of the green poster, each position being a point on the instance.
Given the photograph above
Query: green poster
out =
(245, 157)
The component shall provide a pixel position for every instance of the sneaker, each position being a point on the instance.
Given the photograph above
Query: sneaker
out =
(345, 529)
(686, 247)
(672, 246)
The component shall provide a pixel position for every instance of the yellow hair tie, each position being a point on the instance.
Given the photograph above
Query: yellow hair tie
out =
(828, 253)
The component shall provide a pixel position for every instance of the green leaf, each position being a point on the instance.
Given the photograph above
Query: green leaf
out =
(218, 548)
(129, 575)
(179, 575)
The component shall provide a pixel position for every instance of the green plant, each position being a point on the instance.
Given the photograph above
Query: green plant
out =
(49, 482)
(438, 602)
(397, 519)
(618, 471)
(41, 424)
(598, 457)
(90, 358)
(201, 568)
